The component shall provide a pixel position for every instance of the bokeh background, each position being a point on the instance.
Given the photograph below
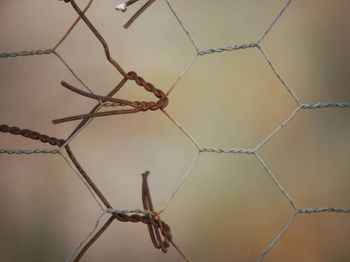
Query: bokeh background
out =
(229, 209)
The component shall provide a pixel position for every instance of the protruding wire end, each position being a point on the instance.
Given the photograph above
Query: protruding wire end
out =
(123, 7)
(145, 174)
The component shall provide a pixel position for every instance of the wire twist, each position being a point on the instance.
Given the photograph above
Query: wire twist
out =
(26, 53)
(31, 134)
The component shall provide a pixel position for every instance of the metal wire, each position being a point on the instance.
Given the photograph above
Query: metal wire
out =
(159, 231)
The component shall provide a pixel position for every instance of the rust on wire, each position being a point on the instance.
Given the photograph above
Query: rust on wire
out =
(138, 13)
(160, 232)
(87, 178)
(154, 230)
(31, 135)
(110, 94)
(98, 36)
(56, 142)
(137, 106)
(123, 7)
(93, 239)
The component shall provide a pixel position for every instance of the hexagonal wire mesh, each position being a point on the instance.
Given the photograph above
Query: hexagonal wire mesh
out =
(159, 231)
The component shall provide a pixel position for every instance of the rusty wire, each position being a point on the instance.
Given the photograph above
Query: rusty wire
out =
(123, 7)
(159, 231)
(150, 218)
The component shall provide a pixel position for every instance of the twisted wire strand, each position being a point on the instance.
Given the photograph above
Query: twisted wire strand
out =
(46, 51)
(291, 220)
(326, 105)
(117, 214)
(137, 105)
(92, 236)
(31, 135)
(227, 48)
(323, 210)
(26, 53)
(228, 150)
(11, 151)
(74, 253)
(152, 220)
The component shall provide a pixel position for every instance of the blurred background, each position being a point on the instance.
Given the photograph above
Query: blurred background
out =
(229, 209)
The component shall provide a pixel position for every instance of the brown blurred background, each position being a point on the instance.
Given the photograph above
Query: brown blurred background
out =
(229, 209)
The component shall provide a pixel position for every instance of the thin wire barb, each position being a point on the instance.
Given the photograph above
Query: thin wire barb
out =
(227, 48)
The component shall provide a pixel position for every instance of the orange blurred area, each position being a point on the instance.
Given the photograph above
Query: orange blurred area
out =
(229, 208)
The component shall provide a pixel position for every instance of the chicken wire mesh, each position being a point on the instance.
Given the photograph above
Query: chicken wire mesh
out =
(158, 100)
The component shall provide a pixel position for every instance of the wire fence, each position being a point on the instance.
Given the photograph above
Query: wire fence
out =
(159, 231)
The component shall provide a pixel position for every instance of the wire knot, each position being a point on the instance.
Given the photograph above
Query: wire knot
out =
(144, 106)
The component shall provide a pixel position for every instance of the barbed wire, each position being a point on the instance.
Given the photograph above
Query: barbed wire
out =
(159, 231)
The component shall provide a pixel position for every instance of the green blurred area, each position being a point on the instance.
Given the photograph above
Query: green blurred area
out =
(229, 209)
